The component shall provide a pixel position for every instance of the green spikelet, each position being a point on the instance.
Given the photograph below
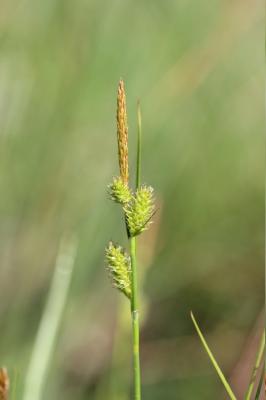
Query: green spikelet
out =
(118, 265)
(140, 210)
(119, 191)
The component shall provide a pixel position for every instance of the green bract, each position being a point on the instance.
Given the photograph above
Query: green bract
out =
(139, 210)
(119, 191)
(118, 265)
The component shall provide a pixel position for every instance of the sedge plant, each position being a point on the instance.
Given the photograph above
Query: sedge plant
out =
(137, 205)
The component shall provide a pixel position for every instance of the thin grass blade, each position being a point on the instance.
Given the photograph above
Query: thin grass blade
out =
(214, 362)
(50, 321)
(257, 395)
(256, 367)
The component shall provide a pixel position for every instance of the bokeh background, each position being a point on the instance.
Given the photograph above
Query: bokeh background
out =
(197, 67)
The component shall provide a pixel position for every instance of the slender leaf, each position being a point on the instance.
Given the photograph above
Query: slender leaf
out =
(257, 395)
(214, 362)
(256, 367)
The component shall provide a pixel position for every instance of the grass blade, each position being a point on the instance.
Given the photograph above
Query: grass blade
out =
(214, 362)
(256, 367)
(47, 332)
(257, 395)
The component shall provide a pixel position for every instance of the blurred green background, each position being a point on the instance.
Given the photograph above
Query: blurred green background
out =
(197, 67)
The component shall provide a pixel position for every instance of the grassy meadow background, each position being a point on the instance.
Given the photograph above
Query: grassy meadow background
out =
(197, 67)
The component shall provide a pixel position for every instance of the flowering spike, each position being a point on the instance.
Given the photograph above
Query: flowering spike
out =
(140, 210)
(118, 265)
(122, 132)
(119, 192)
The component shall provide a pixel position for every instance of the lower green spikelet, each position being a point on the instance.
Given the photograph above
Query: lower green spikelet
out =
(119, 268)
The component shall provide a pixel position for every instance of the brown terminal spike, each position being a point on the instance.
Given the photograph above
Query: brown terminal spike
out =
(4, 384)
(122, 132)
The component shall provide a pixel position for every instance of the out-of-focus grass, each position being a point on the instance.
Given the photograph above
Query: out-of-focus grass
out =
(198, 69)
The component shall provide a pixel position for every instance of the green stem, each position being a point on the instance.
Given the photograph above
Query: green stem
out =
(135, 321)
(256, 367)
(138, 171)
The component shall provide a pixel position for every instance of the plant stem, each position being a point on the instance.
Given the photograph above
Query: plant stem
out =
(256, 367)
(138, 169)
(135, 321)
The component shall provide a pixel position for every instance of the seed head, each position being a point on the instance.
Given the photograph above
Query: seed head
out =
(122, 132)
(4, 384)
(119, 268)
(140, 210)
